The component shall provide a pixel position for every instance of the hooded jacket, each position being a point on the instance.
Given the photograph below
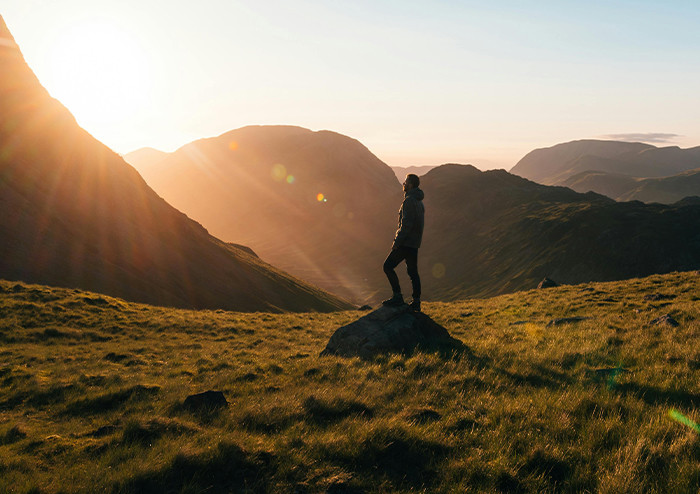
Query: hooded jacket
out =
(411, 220)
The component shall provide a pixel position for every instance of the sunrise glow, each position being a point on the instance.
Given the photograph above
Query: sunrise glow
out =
(100, 73)
(423, 83)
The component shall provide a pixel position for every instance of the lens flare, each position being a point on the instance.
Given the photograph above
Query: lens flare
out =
(679, 417)
(290, 179)
(438, 270)
(612, 380)
(233, 145)
(320, 197)
(279, 172)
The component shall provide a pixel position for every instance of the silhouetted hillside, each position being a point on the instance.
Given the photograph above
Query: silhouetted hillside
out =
(317, 204)
(493, 232)
(76, 215)
(555, 165)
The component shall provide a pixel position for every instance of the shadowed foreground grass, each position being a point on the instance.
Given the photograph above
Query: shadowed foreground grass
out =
(91, 393)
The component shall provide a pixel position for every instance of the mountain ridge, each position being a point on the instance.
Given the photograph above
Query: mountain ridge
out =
(555, 164)
(665, 190)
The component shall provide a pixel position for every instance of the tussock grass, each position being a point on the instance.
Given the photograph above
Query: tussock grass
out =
(571, 389)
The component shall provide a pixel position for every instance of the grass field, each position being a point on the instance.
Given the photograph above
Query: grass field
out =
(92, 391)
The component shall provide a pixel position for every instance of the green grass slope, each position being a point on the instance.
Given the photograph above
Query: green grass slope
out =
(92, 391)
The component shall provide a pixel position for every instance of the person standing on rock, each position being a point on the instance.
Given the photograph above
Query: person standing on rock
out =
(406, 242)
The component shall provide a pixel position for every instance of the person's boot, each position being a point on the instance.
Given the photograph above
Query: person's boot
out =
(396, 299)
(415, 304)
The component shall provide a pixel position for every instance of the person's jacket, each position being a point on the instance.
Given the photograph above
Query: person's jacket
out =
(411, 220)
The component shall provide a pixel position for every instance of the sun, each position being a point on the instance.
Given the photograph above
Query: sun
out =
(99, 71)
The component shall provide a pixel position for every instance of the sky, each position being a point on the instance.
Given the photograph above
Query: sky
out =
(417, 82)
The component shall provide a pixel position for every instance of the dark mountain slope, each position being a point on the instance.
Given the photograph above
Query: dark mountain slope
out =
(75, 214)
(493, 232)
(318, 204)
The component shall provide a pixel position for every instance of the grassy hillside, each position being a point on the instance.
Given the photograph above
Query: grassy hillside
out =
(92, 391)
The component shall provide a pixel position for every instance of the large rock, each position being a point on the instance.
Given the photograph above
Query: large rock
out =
(207, 401)
(547, 283)
(390, 330)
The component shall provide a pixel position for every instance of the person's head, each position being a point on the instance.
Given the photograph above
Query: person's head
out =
(412, 182)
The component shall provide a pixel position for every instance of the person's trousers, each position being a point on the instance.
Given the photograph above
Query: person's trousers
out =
(410, 255)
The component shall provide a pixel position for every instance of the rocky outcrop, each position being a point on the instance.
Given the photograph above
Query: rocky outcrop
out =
(390, 330)
(547, 283)
(665, 320)
(206, 401)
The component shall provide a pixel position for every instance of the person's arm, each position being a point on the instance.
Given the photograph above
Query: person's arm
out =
(408, 218)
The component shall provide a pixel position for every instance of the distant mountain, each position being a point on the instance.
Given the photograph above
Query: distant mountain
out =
(317, 204)
(666, 190)
(493, 232)
(555, 165)
(76, 215)
(612, 185)
(402, 171)
(144, 157)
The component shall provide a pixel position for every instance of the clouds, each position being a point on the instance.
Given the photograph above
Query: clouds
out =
(648, 137)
